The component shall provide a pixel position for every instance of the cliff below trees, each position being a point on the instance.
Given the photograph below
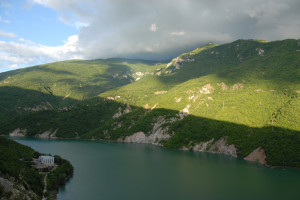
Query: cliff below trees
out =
(240, 98)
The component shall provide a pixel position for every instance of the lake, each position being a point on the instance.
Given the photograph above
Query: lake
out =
(115, 171)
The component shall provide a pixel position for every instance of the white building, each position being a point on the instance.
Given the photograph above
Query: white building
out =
(48, 160)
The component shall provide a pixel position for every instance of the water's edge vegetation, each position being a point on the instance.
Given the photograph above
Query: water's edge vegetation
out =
(20, 178)
(113, 170)
(240, 98)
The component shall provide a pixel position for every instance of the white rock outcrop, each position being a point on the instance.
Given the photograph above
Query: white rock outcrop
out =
(118, 114)
(202, 146)
(206, 89)
(223, 86)
(221, 146)
(18, 133)
(258, 155)
(157, 134)
(48, 134)
(237, 86)
(178, 99)
(127, 109)
(184, 112)
(138, 137)
(160, 92)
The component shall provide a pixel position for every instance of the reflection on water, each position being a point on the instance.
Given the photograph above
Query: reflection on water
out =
(113, 171)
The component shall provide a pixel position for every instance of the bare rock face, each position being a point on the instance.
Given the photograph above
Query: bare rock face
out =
(116, 125)
(223, 86)
(157, 134)
(178, 99)
(184, 148)
(138, 137)
(184, 112)
(127, 109)
(48, 134)
(259, 90)
(45, 134)
(16, 189)
(160, 92)
(258, 155)
(237, 86)
(18, 133)
(220, 146)
(42, 106)
(202, 146)
(261, 52)
(207, 89)
(118, 114)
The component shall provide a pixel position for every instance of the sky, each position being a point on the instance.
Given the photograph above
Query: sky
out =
(34, 32)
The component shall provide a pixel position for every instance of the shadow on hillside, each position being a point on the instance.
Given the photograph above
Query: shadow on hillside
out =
(110, 60)
(48, 69)
(93, 119)
(112, 77)
(16, 101)
(98, 76)
(42, 68)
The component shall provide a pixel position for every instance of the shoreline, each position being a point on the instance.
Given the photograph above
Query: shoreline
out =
(155, 144)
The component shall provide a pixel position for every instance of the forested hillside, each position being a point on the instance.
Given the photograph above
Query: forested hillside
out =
(233, 98)
(19, 178)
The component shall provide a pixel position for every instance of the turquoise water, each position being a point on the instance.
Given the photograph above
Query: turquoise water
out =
(115, 171)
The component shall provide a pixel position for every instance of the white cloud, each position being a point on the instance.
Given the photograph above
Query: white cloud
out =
(4, 20)
(72, 12)
(180, 33)
(7, 34)
(80, 25)
(149, 49)
(121, 28)
(29, 53)
(13, 66)
(118, 28)
(153, 27)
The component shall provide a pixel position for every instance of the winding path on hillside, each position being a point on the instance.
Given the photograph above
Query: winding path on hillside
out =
(45, 186)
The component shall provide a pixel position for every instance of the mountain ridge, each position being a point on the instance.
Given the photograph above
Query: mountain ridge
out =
(247, 87)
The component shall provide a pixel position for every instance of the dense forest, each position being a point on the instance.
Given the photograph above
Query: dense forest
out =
(245, 93)
(19, 177)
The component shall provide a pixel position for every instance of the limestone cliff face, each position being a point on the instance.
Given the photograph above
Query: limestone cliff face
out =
(18, 133)
(138, 137)
(11, 189)
(45, 135)
(48, 134)
(157, 134)
(160, 133)
(258, 155)
(219, 146)
(202, 146)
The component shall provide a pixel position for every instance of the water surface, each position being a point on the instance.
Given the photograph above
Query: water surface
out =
(117, 171)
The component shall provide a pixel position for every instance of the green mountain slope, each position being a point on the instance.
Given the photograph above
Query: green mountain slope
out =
(62, 84)
(257, 90)
(233, 98)
(19, 178)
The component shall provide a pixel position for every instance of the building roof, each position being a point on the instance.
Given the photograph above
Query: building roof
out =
(46, 157)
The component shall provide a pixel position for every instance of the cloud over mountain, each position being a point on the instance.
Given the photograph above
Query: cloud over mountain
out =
(160, 29)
